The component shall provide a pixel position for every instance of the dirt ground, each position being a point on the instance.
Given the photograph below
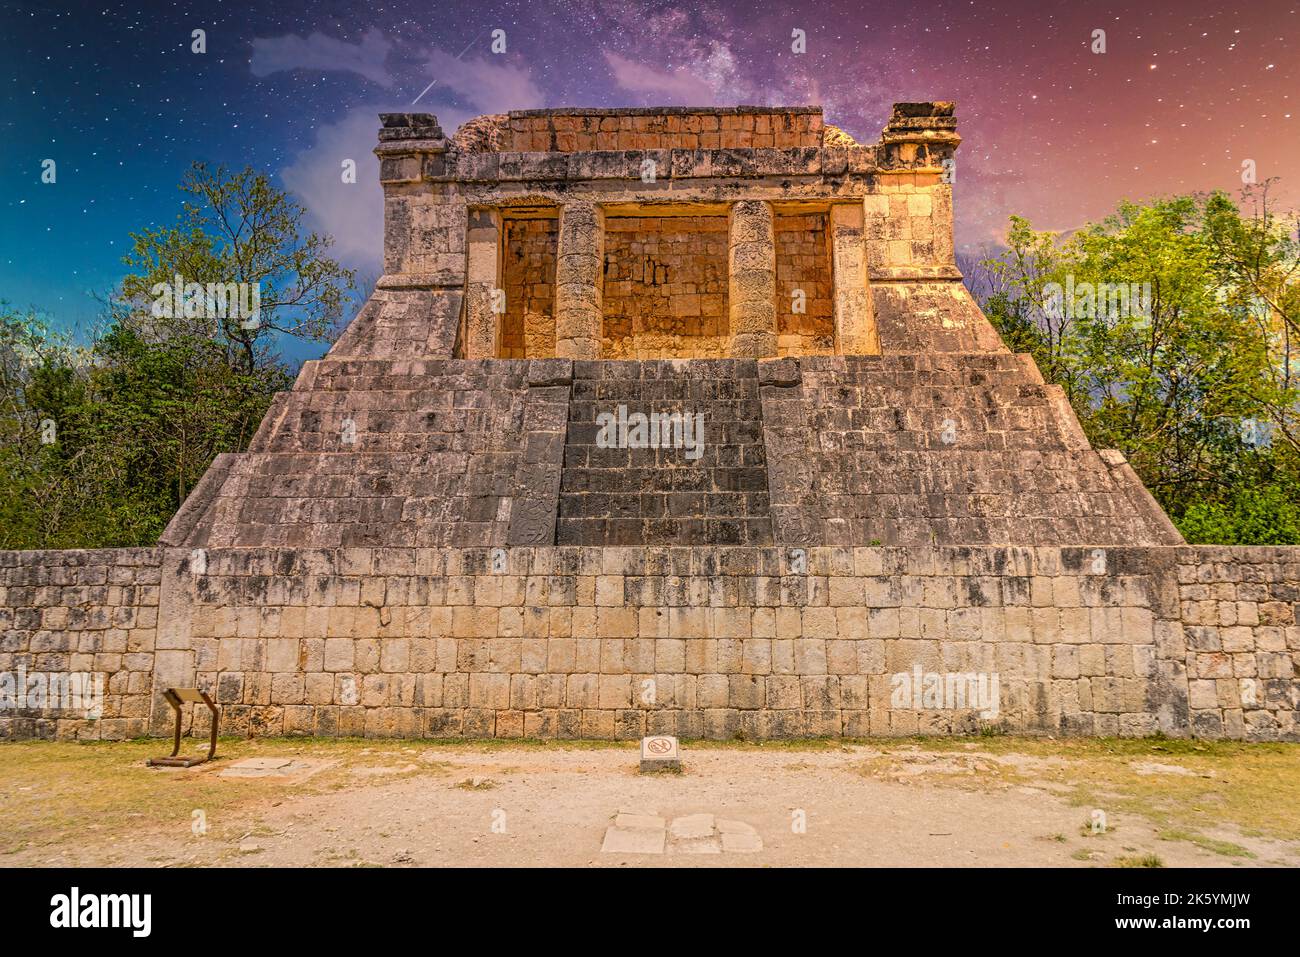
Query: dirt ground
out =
(925, 802)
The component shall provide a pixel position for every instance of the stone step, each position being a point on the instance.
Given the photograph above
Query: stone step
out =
(947, 449)
(709, 486)
(857, 452)
(429, 421)
(331, 499)
(335, 374)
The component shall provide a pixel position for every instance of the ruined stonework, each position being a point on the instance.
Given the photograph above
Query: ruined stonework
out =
(699, 642)
(451, 525)
(546, 267)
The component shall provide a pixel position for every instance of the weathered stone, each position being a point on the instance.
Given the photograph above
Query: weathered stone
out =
(633, 840)
(692, 826)
(428, 534)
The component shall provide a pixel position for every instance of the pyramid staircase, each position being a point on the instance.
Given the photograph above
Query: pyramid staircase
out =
(907, 449)
(663, 496)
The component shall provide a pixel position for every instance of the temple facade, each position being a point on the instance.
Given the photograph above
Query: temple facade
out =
(669, 421)
(752, 267)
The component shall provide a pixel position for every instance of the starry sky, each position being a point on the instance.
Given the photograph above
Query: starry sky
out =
(1185, 92)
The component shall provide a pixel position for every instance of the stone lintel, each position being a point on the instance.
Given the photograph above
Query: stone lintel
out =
(446, 279)
(671, 164)
(904, 274)
(665, 111)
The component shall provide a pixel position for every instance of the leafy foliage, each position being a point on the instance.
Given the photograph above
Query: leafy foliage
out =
(1196, 379)
(238, 228)
(137, 416)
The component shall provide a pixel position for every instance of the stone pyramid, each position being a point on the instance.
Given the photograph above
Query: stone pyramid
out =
(753, 269)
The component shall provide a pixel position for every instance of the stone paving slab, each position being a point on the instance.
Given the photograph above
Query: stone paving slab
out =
(273, 768)
(637, 832)
(633, 840)
(650, 821)
(692, 826)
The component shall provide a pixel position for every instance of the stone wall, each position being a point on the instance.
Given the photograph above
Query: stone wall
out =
(448, 202)
(665, 292)
(711, 642)
(803, 264)
(528, 327)
(909, 226)
(746, 127)
(1239, 608)
(65, 612)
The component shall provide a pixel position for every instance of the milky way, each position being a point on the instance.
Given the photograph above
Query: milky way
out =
(1184, 93)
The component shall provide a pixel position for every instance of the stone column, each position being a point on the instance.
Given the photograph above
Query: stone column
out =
(909, 217)
(417, 305)
(941, 205)
(579, 281)
(484, 300)
(855, 321)
(420, 248)
(751, 279)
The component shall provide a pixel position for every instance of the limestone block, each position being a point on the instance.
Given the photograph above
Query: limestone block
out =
(484, 284)
(854, 316)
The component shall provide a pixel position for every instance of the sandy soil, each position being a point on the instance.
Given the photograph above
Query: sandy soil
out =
(401, 804)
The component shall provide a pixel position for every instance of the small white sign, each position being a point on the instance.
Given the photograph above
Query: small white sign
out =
(659, 751)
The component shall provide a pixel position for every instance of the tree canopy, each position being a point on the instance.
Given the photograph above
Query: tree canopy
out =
(100, 443)
(1192, 372)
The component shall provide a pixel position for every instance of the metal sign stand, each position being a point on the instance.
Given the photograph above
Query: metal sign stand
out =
(176, 697)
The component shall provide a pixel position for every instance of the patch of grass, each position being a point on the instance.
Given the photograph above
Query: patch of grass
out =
(1145, 860)
(1048, 745)
(1082, 854)
(52, 792)
(55, 792)
(1087, 829)
(346, 856)
(1226, 848)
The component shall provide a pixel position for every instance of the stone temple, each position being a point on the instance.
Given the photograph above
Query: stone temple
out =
(677, 421)
(751, 265)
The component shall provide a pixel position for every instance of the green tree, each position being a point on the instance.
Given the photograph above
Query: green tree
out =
(238, 228)
(138, 415)
(1192, 377)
